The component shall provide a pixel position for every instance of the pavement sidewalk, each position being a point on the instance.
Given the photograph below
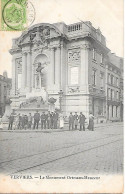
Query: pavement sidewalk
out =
(99, 125)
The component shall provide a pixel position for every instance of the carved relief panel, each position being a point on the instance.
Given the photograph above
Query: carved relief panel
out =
(74, 56)
(19, 65)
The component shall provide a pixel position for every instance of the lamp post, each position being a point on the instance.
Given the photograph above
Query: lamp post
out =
(60, 99)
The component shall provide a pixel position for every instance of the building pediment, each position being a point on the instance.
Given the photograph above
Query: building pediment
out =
(38, 34)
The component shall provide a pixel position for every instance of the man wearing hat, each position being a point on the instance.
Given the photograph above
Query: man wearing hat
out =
(36, 119)
(52, 120)
(71, 121)
(48, 120)
(56, 116)
(82, 121)
(11, 120)
(43, 121)
(76, 120)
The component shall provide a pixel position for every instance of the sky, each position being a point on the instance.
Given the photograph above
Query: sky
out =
(105, 14)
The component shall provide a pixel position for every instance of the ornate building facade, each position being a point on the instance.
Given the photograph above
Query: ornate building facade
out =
(73, 59)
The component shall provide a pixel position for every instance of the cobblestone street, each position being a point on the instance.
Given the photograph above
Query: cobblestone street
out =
(75, 152)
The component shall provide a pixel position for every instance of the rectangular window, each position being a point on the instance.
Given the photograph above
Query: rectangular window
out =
(74, 75)
(94, 77)
(109, 78)
(112, 80)
(117, 95)
(117, 84)
(94, 54)
(101, 80)
(102, 58)
(113, 94)
(109, 93)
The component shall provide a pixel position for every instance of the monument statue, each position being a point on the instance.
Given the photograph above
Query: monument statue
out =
(38, 97)
(39, 68)
(39, 75)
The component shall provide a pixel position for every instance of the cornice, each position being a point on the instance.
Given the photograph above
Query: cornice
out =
(21, 45)
(89, 35)
(14, 51)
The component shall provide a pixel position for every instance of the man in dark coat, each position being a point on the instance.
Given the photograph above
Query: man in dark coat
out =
(43, 121)
(82, 121)
(76, 120)
(25, 121)
(36, 120)
(11, 119)
(52, 120)
(71, 121)
(55, 120)
(22, 121)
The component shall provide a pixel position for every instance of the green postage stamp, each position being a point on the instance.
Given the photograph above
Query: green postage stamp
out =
(13, 15)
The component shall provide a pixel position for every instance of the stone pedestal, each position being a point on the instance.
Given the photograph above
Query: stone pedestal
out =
(51, 107)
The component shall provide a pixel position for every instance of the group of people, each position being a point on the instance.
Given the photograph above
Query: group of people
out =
(49, 120)
(75, 120)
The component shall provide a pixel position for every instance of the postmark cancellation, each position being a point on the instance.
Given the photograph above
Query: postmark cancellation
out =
(16, 15)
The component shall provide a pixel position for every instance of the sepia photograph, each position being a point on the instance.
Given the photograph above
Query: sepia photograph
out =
(61, 96)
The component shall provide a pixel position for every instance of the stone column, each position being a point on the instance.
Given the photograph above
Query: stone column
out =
(29, 74)
(57, 67)
(33, 76)
(13, 76)
(24, 74)
(63, 63)
(16, 77)
(51, 68)
(61, 68)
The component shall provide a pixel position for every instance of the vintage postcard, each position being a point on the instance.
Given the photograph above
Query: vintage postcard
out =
(61, 96)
